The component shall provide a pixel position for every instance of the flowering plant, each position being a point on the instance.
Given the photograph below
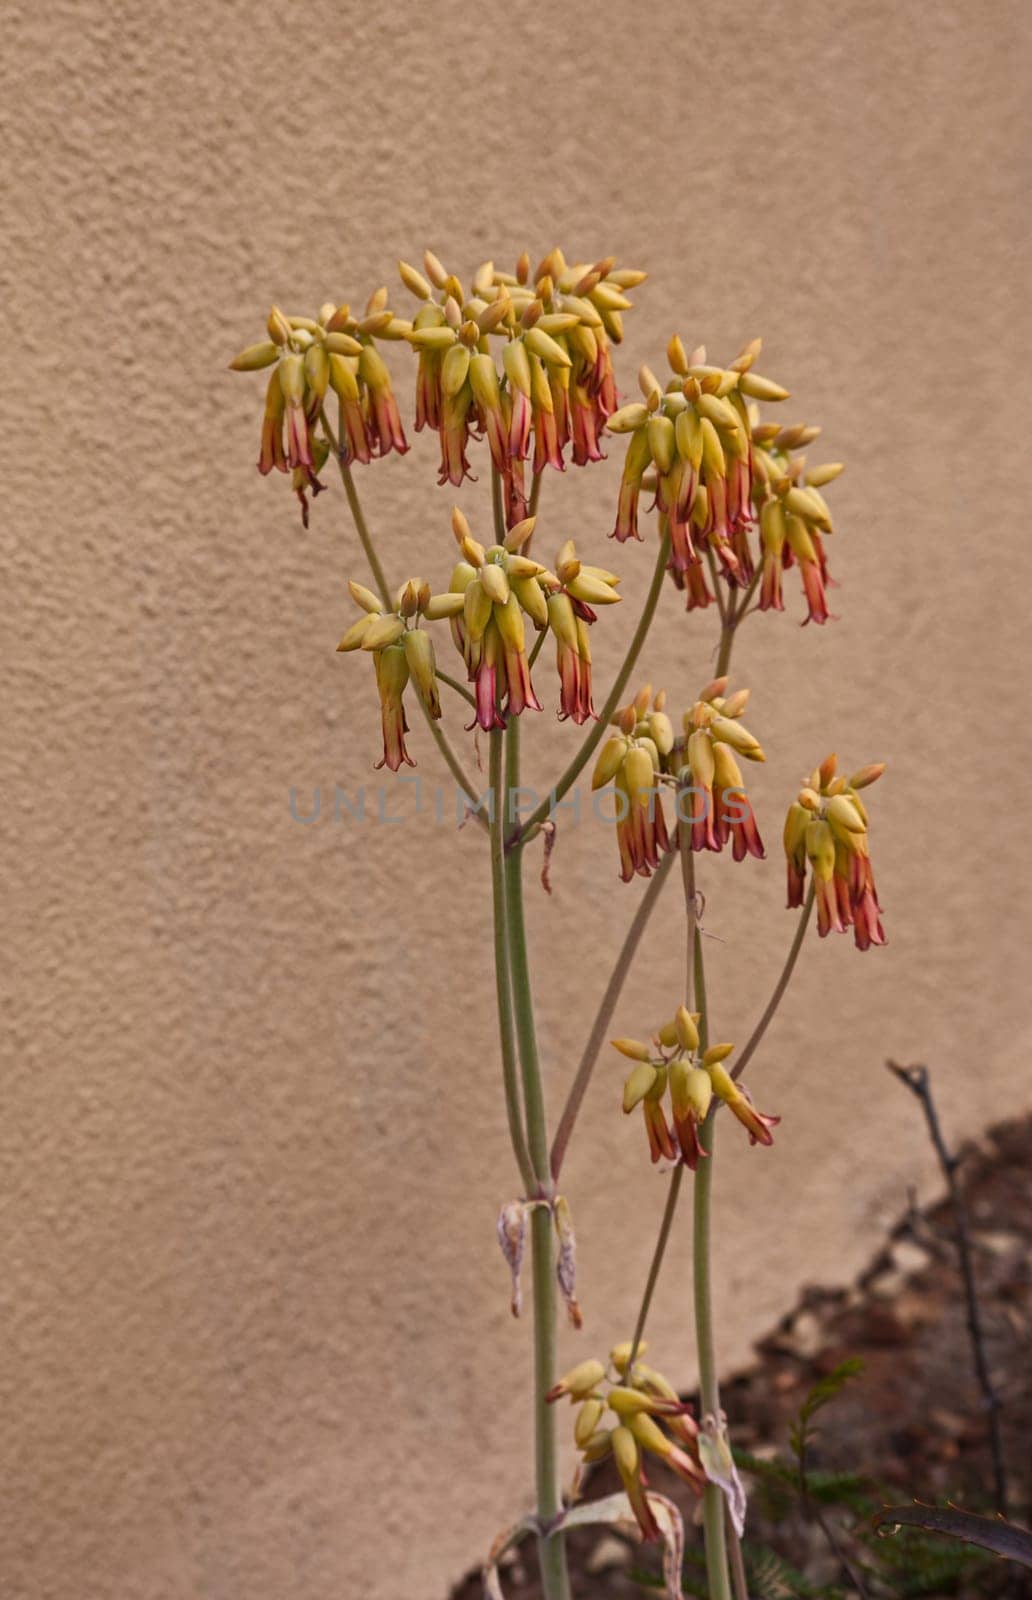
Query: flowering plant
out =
(517, 368)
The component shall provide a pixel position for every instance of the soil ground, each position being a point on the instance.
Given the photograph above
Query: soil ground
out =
(913, 1423)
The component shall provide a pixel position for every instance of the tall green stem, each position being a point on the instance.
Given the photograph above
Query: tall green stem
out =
(709, 1390)
(552, 1550)
(503, 987)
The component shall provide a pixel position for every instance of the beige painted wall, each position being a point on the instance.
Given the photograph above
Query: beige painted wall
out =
(255, 1339)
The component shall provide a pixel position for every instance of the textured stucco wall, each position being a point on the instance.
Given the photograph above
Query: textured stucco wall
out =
(231, 1363)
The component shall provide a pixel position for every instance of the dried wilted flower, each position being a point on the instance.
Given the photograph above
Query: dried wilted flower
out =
(827, 827)
(631, 760)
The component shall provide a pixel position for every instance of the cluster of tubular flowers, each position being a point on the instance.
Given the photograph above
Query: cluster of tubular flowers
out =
(794, 516)
(619, 1412)
(570, 614)
(672, 1061)
(401, 650)
(309, 357)
(496, 587)
(697, 436)
(499, 586)
(632, 759)
(555, 386)
(707, 770)
(827, 827)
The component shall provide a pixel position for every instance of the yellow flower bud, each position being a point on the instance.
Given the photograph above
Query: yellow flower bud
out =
(494, 583)
(588, 1418)
(757, 388)
(383, 631)
(545, 348)
(738, 737)
(610, 760)
(685, 1027)
(633, 1049)
(640, 1083)
(352, 640)
(662, 441)
(627, 1402)
(620, 1354)
(817, 477)
(443, 605)
(579, 1381)
(629, 418)
(255, 357)
(364, 597)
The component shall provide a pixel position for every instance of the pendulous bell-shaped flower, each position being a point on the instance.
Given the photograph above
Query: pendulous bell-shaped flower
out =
(631, 760)
(826, 829)
(401, 651)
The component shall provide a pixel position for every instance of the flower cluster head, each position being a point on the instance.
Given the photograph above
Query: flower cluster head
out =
(674, 1061)
(827, 827)
(555, 386)
(631, 759)
(716, 468)
(707, 769)
(500, 586)
(794, 516)
(309, 357)
(619, 1411)
(696, 434)
(401, 650)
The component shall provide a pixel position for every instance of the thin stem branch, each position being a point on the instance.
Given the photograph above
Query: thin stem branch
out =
(453, 683)
(357, 514)
(732, 618)
(849, 1572)
(503, 989)
(918, 1081)
(691, 900)
(497, 508)
(586, 750)
(604, 1015)
(673, 1190)
(779, 988)
(539, 643)
(734, 1547)
(718, 592)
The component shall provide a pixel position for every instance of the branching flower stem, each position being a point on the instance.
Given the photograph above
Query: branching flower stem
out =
(604, 1016)
(551, 1546)
(779, 988)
